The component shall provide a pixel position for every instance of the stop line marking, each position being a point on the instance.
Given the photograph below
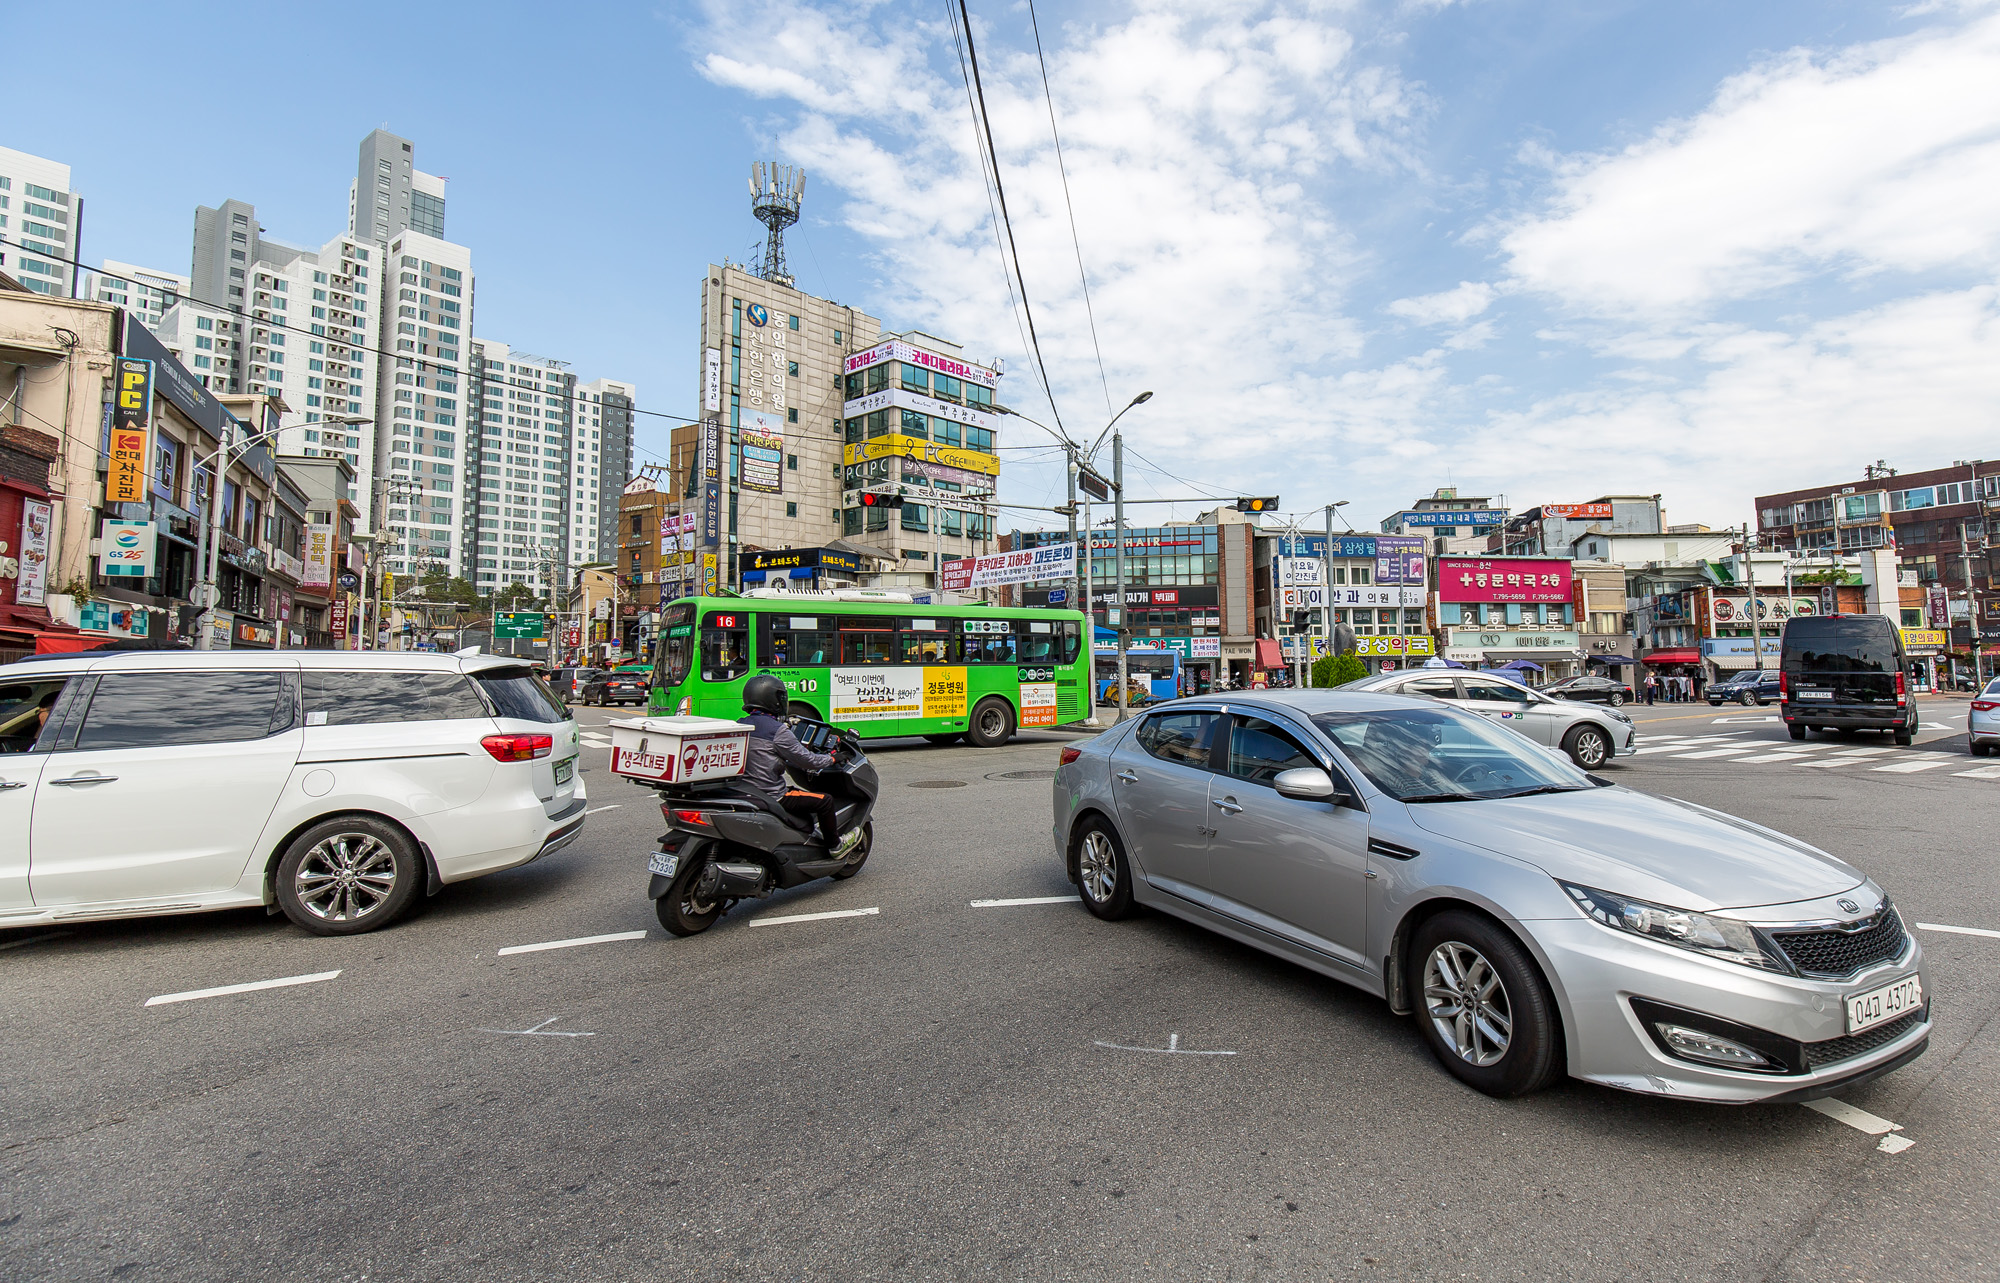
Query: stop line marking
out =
(1958, 931)
(217, 992)
(1032, 899)
(1863, 1121)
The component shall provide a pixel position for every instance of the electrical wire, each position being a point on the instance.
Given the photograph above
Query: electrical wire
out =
(1063, 171)
(1006, 219)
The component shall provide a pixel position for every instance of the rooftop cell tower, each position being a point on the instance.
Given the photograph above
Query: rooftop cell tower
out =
(774, 199)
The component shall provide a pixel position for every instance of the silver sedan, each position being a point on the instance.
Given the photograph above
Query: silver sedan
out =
(1590, 735)
(1536, 920)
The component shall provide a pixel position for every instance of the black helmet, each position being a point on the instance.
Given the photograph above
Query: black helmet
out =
(766, 692)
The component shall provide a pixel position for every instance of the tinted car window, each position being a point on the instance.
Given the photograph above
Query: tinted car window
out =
(1258, 750)
(1503, 692)
(1435, 687)
(1443, 755)
(360, 699)
(519, 694)
(21, 712)
(1181, 738)
(154, 710)
(1841, 645)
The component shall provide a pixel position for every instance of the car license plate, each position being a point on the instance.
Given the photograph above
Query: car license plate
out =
(1815, 694)
(1886, 1003)
(565, 769)
(664, 863)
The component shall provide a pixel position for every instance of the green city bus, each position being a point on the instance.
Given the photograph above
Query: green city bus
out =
(879, 666)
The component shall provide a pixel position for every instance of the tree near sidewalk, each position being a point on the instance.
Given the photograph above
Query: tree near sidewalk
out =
(1337, 670)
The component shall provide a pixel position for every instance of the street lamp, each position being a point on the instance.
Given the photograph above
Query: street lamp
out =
(1118, 535)
(209, 550)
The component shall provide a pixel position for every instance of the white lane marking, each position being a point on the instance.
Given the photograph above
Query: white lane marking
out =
(1173, 1048)
(1894, 1144)
(814, 917)
(570, 944)
(1982, 773)
(595, 809)
(540, 1030)
(1032, 899)
(46, 935)
(1862, 1121)
(1720, 720)
(1714, 752)
(1784, 756)
(1958, 931)
(1861, 752)
(1910, 768)
(218, 991)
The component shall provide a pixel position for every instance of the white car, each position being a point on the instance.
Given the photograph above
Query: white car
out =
(339, 787)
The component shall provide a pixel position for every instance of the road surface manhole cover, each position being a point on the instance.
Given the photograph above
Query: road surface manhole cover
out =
(937, 784)
(1023, 775)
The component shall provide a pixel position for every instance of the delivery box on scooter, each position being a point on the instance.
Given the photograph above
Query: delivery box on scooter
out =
(678, 750)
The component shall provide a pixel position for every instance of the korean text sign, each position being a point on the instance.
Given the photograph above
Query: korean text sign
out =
(1521, 579)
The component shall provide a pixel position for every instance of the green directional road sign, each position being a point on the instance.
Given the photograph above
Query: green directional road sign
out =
(520, 624)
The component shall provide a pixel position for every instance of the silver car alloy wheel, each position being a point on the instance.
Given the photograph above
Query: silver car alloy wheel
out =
(1097, 867)
(345, 877)
(1591, 748)
(1467, 1003)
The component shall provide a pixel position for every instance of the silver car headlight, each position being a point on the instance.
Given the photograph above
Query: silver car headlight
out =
(1722, 938)
(1620, 716)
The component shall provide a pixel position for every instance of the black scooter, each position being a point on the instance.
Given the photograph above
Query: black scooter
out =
(723, 845)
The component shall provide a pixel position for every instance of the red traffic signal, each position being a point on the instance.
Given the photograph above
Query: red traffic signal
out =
(869, 499)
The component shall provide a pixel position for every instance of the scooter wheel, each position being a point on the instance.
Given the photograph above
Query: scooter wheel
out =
(860, 856)
(680, 913)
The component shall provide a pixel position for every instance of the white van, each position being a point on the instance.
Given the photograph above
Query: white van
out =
(337, 786)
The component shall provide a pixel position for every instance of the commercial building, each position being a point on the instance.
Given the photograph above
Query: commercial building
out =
(1375, 585)
(41, 220)
(1940, 522)
(1453, 522)
(1496, 611)
(1548, 529)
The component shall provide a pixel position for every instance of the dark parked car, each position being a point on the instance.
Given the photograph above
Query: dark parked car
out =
(631, 684)
(1601, 690)
(1752, 686)
(1845, 673)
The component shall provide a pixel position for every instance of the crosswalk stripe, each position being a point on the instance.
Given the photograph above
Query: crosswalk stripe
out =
(1982, 773)
(1909, 768)
(1714, 752)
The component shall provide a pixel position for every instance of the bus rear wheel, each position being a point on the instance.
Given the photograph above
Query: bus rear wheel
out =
(992, 723)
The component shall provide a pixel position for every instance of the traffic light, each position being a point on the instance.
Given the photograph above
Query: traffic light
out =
(1301, 620)
(1269, 504)
(869, 499)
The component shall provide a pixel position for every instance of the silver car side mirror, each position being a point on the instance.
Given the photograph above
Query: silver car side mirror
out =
(1309, 784)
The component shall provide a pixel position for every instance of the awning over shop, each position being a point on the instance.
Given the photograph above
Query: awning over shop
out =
(1612, 659)
(1686, 655)
(1269, 653)
(1522, 665)
(1539, 655)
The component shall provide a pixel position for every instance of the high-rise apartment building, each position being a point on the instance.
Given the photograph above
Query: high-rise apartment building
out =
(609, 406)
(426, 367)
(41, 219)
(146, 292)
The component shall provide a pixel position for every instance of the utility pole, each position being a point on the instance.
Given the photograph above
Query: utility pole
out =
(1756, 622)
(1070, 451)
(1118, 534)
(1971, 606)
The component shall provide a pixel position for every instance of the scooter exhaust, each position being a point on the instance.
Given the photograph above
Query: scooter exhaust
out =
(733, 881)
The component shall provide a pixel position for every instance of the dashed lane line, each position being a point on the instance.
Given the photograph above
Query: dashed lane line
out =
(546, 945)
(595, 809)
(815, 917)
(220, 990)
(1958, 931)
(1863, 1121)
(1031, 899)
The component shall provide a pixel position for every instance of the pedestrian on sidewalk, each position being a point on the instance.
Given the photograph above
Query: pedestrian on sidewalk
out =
(1652, 687)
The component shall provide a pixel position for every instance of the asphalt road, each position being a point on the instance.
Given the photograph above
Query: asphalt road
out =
(923, 1092)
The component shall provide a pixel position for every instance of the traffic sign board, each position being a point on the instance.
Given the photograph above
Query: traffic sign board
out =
(520, 624)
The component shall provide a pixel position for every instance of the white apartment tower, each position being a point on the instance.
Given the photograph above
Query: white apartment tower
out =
(425, 329)
(40, 217)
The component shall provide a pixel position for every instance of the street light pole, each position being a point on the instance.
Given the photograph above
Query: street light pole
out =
(208, 550)
(1118, 537)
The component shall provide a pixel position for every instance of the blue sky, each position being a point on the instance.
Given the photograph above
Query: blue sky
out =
(1547, 250)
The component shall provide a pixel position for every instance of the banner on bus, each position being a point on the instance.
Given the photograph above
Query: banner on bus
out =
(1022, 566)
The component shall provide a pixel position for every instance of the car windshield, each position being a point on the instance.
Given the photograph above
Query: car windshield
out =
(1992, 687)
(1444, 755)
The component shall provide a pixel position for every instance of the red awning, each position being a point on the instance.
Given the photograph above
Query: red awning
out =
(1269, 654)
(68, 643)
(1672, 657)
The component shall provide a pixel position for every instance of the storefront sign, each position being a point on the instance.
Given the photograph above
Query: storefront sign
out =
(125, 478)
(1502, 639)
(336, 616)
(1386, 646)
(898, 399)
(1937, 606)
(125, 549)
(31, 584)
(1205, 648)
(1379, 595)
(711, 482)
(1736, 610)
(711, 380)
(1500, 579)
(1399, 559)
(1022, 566)
(1296, 572)
(711, 578)
(134, 399)
(1480, 517)
(1301, 598)
(1926, 641)
(897, 350)
(896, 445)
(319, 557)
(762, 462)
(253, 634)
(1578, 511)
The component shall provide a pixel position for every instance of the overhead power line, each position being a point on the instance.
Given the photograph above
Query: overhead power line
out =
(1063, 171)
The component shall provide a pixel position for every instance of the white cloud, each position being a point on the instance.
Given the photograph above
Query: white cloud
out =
(1451, 307)
(1881, 157)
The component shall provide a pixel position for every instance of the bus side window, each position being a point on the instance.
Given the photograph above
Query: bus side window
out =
(876, 645)
(1072, 640)
(927, 641)
(1037, 643)
(725, 647)
(795, 641)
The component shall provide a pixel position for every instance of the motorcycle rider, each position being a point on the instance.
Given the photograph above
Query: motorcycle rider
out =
(773, 747)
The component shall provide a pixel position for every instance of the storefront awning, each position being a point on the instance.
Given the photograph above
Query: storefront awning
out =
(1612, 659)
(1269, 653)
(1685, 655)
